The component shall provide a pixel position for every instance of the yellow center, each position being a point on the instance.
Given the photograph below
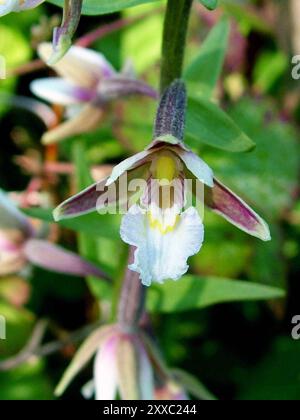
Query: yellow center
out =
(165, 168)
(157, 224)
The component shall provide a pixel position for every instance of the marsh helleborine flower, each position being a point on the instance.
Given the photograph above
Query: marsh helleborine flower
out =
(165, 236)
(122, 366)
(21, 246)
(62, 36)
(86, 84)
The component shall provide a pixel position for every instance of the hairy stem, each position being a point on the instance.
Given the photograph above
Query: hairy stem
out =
(174, 40)
(132, 299)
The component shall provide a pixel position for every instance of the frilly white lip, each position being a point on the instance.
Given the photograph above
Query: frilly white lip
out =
(160, 256)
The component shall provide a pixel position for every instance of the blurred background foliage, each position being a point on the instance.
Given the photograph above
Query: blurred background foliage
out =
(239, 350)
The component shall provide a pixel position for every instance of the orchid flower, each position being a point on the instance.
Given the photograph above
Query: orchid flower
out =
(62, 37)
(127, 364)
(87, 83)
(163, 235)
(122, 366)
(20, 246)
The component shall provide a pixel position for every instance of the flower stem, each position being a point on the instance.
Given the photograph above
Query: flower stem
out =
(132, 299)
(174, 40)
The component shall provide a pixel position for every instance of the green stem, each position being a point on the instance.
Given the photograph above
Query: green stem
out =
(132, 299)
(174, 40)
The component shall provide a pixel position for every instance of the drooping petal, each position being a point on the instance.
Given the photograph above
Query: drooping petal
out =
(133, 162)
(11, 217)
(27, 4)
(54, 258)
(80, 66)
(87, 201)
(118, 87)
(162, 255)
(196, 166)
(58, 91)
(127, 368)
(105, 370)
(8, 6)
(62, 36)
(86, 120)
(227, 204)
(146, 376)
(83, 356)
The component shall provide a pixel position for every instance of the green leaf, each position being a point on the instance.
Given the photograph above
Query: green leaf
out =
(267, 177)
(103, 7)
(206, 68)
(209, 124)
(93, 224)
(192, 292)
(209, 4)
(142, 41)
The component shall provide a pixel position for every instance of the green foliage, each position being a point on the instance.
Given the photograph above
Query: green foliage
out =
(261, 176)
(204, 71)
(196, 292)
(207, 123)
(102, 7)
(209, 4)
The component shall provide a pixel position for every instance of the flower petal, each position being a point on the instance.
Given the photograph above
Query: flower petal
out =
(105, 370)
(7, 7)
(227, 204)
(54, 258)
(27, 4)
(161, 256)
(146, 376)
(197, 166)
(118, 87)
(81, 66)
(58, 91)
(83, 356)
(87, 201)
(11, 217)
(86, 120)
(133, 162)
(127, 367)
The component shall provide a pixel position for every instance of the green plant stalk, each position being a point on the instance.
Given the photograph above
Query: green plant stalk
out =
(132, 298)
(174, 41)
